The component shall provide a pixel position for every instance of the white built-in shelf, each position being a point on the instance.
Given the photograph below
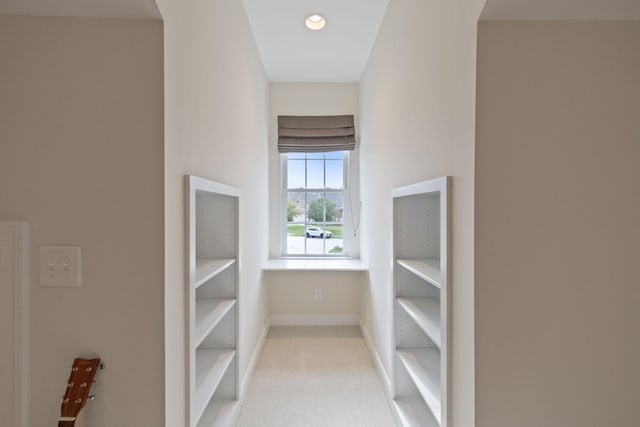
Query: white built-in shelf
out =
(211, 365)
(413, 412)
(213, 300)
(426, 313)
(427, 269)
(421, 260)
(209, 312)
(423, 366)
(220, 413)
(288, 264)
(207, 268)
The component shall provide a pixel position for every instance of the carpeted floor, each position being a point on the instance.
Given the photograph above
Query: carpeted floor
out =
(315, 376)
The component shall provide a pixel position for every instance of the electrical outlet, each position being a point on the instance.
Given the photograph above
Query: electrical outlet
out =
(60, 267)
(317, 294)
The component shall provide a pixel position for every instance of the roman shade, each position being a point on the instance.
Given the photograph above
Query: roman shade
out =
(312, 134)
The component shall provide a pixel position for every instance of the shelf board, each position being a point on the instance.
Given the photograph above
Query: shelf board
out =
(426, 313)
(220, 413)
(423, 366)
(328, 264)
(414, 413)
(206, 268)
(211, 365)
(427, 269)
(209, 312)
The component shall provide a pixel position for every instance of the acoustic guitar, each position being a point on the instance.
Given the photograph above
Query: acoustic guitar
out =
(77, 392)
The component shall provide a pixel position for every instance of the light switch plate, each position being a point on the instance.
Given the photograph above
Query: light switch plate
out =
(60, 267)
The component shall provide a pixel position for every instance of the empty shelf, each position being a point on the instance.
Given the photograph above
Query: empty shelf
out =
(426, 313)
(211, 365)
(423, 366)
(206, 268)
(427, 269)
(209, 312)
(220, 413)
(414, 413)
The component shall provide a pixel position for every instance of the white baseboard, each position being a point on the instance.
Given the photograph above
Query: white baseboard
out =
(382, 373)
(315, 320)
(254, 360)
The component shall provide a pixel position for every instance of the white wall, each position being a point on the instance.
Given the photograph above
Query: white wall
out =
(417, 100)
(557, 236)
(81, 161)
(216, 126)
(292, 293)
(291, 297)
(307, 99)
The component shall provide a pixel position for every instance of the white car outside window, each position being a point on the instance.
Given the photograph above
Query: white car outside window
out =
(318, 232)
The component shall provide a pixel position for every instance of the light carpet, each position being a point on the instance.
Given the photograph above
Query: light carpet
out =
(315, 376)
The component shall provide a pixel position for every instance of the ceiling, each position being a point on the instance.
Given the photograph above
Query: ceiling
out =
(131, 9)
(339, 53)
(531, 10)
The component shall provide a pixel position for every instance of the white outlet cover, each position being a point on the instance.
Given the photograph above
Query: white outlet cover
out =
(60, 267)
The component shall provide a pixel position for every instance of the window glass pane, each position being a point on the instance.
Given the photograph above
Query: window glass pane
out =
(315, 208)
(315, 174)
(315, 155)
(296, 155)
(334, 174)
(295, 242)
(295, 213)
(315, 246)
(295, 173)
(334, 243)
(315, 235)
(339, 155)
(315, 232)
(334, 208)
(295, 207)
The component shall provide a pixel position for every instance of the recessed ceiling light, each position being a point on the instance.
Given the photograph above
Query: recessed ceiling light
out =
(315, 22)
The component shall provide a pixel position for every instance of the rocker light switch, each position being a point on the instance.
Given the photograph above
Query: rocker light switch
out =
(60, 267)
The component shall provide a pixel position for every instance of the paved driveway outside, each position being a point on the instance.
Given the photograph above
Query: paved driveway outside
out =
(295, 245)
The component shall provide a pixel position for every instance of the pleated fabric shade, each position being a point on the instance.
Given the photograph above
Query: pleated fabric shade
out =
(315, 134)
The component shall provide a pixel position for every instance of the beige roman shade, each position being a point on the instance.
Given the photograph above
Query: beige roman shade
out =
(309, 134)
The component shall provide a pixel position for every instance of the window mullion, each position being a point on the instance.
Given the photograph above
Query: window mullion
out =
(306, 205)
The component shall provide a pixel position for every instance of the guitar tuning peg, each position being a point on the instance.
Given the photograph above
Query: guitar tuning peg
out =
(91, 397)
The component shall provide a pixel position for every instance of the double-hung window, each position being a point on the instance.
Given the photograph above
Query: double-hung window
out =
(315, 203)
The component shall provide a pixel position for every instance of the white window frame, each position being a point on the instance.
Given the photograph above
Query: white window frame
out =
(346, 224)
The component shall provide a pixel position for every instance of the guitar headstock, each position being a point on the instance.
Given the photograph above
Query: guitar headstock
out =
(78, 387)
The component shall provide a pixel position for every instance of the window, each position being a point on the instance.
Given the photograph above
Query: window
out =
(315, 191)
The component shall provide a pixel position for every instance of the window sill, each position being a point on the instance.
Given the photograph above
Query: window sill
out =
(288, 264)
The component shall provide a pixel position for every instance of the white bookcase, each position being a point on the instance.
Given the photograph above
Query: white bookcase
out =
(212, 222)
(420, 236)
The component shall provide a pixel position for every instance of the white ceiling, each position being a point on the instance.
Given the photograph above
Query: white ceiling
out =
(292, 53)
(131, 9)
(339, 53)
(532, 10)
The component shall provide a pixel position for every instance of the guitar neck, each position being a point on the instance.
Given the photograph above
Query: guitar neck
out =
(77, 421)
(77, 392)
